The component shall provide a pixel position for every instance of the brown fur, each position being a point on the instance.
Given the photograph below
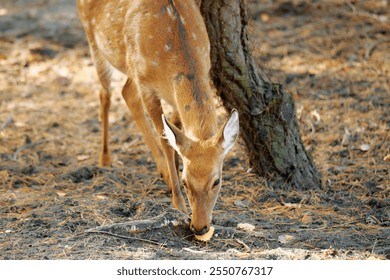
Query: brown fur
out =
(163, 48)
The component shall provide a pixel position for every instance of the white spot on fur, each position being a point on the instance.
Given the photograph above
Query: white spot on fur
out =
(168, 47)
(183, 21)
(193, 35)
(170, 11)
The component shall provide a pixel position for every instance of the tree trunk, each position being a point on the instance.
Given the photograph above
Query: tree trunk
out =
(268, 124)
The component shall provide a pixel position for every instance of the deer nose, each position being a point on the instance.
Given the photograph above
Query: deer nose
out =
(204, 230)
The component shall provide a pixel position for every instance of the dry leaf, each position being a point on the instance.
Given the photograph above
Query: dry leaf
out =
(315, 116)
(264, 17)
(20, 124)
(61, 194)
(387, 158)
(291, 205)
(240, 203)
(4, 174)
(285, 238)
(246, 227)
(82, 157)
(207, 236)
(346, 137)
(306, 219)
(364, 147)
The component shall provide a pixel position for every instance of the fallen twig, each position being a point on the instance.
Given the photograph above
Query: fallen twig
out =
(6, 123)
(126, 237)
(372, 46)
(171, 218)
(193, 251)
(25, 147)
(356, 12)
(243, 244)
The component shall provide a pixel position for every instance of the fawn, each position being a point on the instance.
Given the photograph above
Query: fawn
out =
(163, 48)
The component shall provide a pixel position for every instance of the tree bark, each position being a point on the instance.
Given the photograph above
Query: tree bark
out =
(268, 124)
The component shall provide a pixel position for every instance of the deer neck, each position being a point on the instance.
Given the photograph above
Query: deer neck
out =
(195, 104)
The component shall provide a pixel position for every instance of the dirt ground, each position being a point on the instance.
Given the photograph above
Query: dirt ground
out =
(333, 56)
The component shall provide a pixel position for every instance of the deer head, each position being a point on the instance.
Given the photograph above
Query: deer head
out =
(202, 167)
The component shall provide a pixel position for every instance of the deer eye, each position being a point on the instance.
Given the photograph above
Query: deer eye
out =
(216, 182)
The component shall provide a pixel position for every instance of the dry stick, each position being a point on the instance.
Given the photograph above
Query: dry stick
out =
(6, 123)
(25, 147)
(126, 237)
(170, 218)
(355, 12)
(194, 251)
(372, 46)
(243, 244)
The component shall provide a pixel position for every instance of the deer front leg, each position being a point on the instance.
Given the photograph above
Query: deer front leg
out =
(153, 106)
(134, 102)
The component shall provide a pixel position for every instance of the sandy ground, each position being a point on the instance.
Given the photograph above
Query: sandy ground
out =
(333, 56)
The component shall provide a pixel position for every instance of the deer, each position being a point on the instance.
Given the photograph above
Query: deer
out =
(163, 49)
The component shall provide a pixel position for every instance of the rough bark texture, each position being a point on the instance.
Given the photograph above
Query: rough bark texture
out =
(267, 114)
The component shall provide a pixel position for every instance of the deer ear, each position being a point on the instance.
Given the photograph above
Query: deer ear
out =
(230, 132)
(175, 137)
